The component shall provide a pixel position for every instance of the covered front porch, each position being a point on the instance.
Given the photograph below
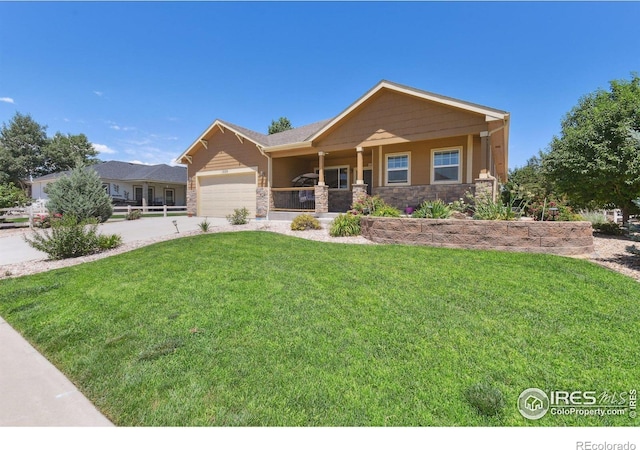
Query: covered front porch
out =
(401, 173)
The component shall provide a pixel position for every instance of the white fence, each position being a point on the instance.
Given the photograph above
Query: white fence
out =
(10, 215)
(164, 209)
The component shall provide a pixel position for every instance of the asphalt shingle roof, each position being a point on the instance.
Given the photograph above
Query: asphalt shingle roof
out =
(125, 171)
(299, 134)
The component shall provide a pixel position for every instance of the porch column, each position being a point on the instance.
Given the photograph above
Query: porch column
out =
(145, 193)
(360, 166)
(485, 150)
(320, 169)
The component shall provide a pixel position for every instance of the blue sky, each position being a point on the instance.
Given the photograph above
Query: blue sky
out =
(144, 80)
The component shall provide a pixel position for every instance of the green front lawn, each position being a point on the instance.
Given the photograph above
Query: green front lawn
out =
(255, 328)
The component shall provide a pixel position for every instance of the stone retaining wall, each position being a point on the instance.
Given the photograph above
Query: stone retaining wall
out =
(559, 238)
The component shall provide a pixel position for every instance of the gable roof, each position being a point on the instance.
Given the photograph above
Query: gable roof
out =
(125, 171)
(305, 135)
(489, 113)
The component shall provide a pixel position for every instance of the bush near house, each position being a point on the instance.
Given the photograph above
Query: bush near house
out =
(435, 209)
(80, 195)
(70, 238)
(305, 222)
(239, 216)
(135, 214)
(345, 225)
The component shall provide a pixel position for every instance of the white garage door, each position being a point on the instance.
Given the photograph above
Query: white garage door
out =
(219, 195)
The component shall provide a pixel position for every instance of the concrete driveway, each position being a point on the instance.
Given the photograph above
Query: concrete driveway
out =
(14, 249)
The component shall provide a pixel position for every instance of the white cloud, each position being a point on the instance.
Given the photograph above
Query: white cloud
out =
(103, 149)
(115, 126)
(135, 161)
(7, 100)
(98, 93)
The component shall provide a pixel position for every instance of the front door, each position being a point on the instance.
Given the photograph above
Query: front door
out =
(368, 179)
(137, 195)
(150, 196)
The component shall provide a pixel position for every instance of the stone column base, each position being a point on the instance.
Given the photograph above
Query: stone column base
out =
(359, 192)
(322, 199)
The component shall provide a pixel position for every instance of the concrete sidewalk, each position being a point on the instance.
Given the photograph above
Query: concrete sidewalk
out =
(14, 249)
(34, 393)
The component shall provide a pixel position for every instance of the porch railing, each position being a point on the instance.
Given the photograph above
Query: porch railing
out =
(294, 199)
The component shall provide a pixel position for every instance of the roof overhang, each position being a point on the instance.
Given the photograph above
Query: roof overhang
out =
(292, 146)
(201, 141)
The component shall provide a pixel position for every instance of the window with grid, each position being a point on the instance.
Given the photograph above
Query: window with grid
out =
(446, 166)
(398, 169)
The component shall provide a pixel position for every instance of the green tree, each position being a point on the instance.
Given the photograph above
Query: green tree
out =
(528, 182)
(12, 196)
(21, 149)
(26, 151)
(79, 194)
(282, 124)
(596, 159)
(64, 152)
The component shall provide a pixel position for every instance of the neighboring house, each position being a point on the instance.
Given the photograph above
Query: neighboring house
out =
(133, 184)
(404, 144)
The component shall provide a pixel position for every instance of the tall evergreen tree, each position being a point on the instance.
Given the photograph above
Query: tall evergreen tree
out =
(79, 194)
(282, 124)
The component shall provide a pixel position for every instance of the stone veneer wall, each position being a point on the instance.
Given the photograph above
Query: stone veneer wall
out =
(262, 201)
(192, 202)
(403, 196)
(559, 238)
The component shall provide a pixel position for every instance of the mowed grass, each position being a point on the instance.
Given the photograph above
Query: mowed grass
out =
(260, 329)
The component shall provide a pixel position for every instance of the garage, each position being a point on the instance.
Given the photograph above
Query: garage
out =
(220, 194)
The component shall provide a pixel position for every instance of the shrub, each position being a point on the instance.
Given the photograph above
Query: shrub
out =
(12, 196)
(70, 238)
(204, 225)
(345, 225)
(239, 216)
(435, 209)
(595, 217)
(109, 241)
(608, 228)
(633, 249)
(44, 220)
(305, 222)
(386, 211)
(485, 208)
(81, 195)
(488, 400)
(134, 214)
(564, 212)
(368, 205)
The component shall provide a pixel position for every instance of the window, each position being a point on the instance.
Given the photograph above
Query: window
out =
(446, 166)
(106, 187)
(336, 177)
(398, 169)
(169, 197)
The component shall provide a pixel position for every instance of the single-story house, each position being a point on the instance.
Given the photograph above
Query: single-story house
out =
(402, 143)
(133, 184)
